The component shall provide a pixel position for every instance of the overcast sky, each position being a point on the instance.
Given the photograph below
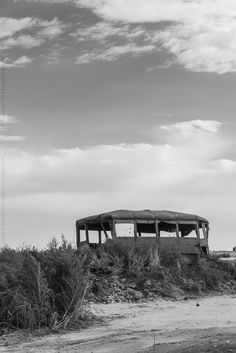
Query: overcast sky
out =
(118, 104)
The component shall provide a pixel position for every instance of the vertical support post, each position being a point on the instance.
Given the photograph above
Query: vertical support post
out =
(207, 231)
(197, 230)
(158, 240)
(86, 233)
(178, 241)
(177, 229)
(99, 236)
(77, 236)
(104, 230)
(207, 236)
(113, 229)
(135, 231)
(198, 236)
(157, 229)
(204, 230)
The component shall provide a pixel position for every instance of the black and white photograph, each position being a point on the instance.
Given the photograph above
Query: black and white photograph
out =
(117, 176)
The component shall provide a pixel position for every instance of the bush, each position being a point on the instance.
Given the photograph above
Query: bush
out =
(41, 288)
(47, 288)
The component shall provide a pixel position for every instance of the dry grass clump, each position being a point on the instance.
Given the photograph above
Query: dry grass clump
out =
(49, 288)
(41, 288)
(153, 274)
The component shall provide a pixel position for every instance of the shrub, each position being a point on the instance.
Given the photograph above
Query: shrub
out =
(40, 288)
(47, 288)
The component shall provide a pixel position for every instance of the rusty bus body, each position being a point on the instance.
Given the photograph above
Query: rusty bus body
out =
(172, 232)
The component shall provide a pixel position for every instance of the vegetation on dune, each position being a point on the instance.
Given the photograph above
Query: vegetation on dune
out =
(50, 288)
(41, 288)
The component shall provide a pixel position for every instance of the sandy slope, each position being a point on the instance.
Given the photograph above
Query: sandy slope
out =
(159, 326)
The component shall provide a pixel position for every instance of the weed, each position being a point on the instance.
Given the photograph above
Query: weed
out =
(48, 288)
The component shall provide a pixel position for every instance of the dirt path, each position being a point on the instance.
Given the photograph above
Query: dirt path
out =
(206, 325)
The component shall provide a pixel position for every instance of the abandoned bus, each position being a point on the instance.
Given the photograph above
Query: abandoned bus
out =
(169, 231)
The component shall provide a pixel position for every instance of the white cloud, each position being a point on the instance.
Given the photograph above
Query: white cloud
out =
(9, 138)
(197, 137)
(51, 29)
(204, 47)
(114, 52)
(225, 165)
(23, 41)
(14, 32)
(10, 26)
(137, 11)
(198, 35)
(125, 168)
(103, 30)
(187, 127)
(50, 1)
(53, 57)
(22, 61)
(6, 119)
(105, 33)
(202, 34)
(192, 173)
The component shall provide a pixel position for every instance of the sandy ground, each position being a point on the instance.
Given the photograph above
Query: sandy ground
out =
(204, 325)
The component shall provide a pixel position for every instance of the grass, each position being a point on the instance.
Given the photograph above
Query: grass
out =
(41, 288)
(50, 288)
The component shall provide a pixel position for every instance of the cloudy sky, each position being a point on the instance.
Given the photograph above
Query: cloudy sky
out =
(118, 104)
